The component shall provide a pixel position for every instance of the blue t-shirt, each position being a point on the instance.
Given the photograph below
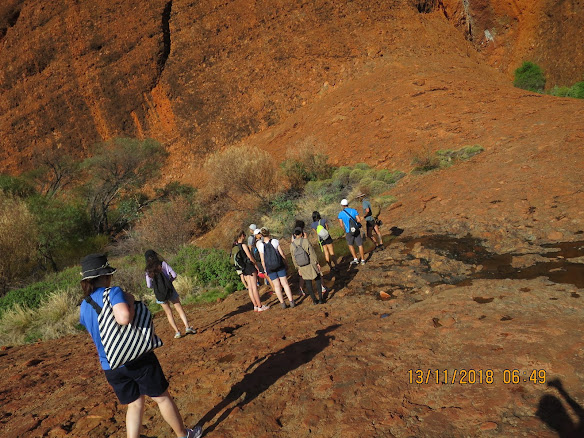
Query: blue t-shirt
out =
(88, 318)
(367, 205)
(345, 217)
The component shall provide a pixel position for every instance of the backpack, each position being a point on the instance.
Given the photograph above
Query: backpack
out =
(272, 257)
(375, 209)
(239, 258)
(300, 255)
(322, 231)
(354, 226)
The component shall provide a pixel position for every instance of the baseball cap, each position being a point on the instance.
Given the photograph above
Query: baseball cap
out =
(344, 202)
(253, 227)
(256, 231)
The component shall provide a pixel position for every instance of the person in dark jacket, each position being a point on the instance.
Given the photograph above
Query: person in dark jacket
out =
(159, 276)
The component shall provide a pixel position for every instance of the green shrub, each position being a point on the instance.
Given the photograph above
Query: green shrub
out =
(16, 186)
(31, 296)
(530, 77)
(576, 91)
(342, 174)
(449, 157)
(377, 187)
(356, 175)
(389, 177)
(362, 166)
(205, 266)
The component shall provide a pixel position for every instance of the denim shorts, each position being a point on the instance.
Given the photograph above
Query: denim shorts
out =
(142, 376)
(278, 274)
(173, 299)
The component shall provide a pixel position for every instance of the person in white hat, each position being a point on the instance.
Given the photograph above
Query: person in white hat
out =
(351, 223)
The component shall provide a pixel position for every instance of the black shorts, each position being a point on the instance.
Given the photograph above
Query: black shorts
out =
(326, 241)
(142, 376)
(249, 269)
(370, 224)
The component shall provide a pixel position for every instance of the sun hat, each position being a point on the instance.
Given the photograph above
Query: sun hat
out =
(95, 265)
(256, 231)
(344, 202)
(265, 232)
(360, 195)
(253, 227)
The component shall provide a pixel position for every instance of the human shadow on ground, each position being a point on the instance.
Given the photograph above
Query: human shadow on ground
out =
(271, 367)
(552, 412)
(247, 307)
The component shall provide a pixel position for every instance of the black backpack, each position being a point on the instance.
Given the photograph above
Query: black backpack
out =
(272, 257)
(300, 255)
(240, 258)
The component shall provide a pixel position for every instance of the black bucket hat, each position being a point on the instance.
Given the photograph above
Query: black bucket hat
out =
(95, 265)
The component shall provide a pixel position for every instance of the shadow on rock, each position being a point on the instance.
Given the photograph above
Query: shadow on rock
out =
(270, 369)
(247, 307)
(552, 412)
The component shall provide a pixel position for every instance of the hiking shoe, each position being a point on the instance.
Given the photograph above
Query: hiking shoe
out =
(263, 308)
(292, 303)
(380, 247)
(283, 305)
(195, 432)
(354, 262)
(190, 331)
(177, 335)
(363, 261)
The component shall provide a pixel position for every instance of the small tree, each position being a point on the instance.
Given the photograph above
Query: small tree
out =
(117, 169)
(530, 77)
(242, 170)
(53, 171)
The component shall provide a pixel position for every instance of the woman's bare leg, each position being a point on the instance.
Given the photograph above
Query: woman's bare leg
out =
(170, 413)
(169, 315)
(287, 289)
(134, 417)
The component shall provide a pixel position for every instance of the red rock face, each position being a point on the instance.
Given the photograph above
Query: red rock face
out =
(546, 32)
(201, 75)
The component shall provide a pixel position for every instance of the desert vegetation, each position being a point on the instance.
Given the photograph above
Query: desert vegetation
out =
(67, 207)
(530, 76)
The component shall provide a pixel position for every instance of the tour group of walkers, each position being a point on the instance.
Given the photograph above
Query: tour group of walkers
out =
(260, 256)
(122, 329)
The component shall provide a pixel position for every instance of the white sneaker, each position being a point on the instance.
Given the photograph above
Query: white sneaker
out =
(195, 432)
(354, 262)
(256, 308)
(263, 308)
(362, 261)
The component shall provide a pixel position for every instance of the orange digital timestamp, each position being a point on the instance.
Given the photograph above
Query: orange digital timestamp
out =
(475, 376)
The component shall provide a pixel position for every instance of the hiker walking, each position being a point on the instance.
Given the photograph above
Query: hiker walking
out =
(249, 267)
(274, 263)
(305, 261)
(321, 228)
(371, 221)
(135, 379)
(351, 223)
(159, 277)
(238, 268)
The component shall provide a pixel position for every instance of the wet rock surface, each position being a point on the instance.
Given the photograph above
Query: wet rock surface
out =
(429, 357)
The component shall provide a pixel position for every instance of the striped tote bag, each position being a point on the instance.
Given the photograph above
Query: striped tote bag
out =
(123, 343)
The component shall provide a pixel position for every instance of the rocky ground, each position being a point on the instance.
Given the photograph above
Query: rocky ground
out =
(377, 360)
